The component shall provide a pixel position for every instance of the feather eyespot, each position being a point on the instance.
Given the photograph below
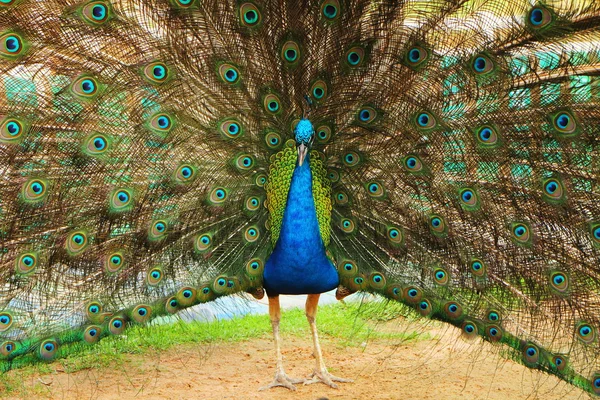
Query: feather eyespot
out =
(12, 45)
(319, 90)
(244, 162)
(351, 159)
(347, 268)
(48, 349)
(273, 140)
(330, 9)
(26, 263)
(141, 313)
(272, 104)
(424, 308)
(6, 321)
(85, 87)
(11, 130)
(521, 233)
(416, 56)
(96, 12)
(341, 198)
(478, 268)
(585, 333)
(218, 195)
(553, 190)
(96, 145)
(116, 325)
(469, 200)
(595, 383)
(161, 123)
(482, 64)
(453, 310)
(531, 354)
(366, 115)
(486, 136)
(412, 295)
(323, 134)
(559, 362)
(412, 164)
(76, 242)
(395, 235)
(559, 282)
(250, 15)
(355, 56)
(255, 267)
(121, 200)
(437, 225)
(186, 297)
(595, 233)
(347, 225)
(251, 234)
(154, 276)
(34, 191)
(7, 348)
(425, 121)
(469, 329)
(156, 72)
(376, 190)
(290, 53)
(203, 242)
(114, 262)
(540, 17)
(377, 281)
(441, 277)
(564, 123)
(229, 73)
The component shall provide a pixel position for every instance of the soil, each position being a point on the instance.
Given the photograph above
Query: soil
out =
(442, 367)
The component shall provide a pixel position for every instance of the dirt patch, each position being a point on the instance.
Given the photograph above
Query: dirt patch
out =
(446, 368)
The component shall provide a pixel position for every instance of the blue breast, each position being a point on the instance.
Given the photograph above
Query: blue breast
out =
(298, 264)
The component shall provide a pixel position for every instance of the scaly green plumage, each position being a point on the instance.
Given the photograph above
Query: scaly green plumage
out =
(454, 164)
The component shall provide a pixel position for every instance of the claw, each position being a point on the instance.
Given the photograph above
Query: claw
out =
(325, 377)
(281, 379)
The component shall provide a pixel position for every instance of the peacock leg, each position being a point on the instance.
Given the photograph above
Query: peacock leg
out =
(320, 373)
(281, 379)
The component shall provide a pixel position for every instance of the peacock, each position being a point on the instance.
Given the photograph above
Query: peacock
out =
(443, 154)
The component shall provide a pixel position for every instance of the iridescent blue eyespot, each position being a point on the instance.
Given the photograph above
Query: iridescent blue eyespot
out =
(273, 106)
(49, 347)
(520, 230)
(100, 143)
(423, 119)
(28, 261)
(531, 351)
(349, 158)
(99, 12)
(558, 279)
(330, 11)
(597, 233)
(485, 134)
(117, 323)
(36, 187)
(12, 44)
(231, 75)
(221, 282)
(233, 128)
(163, 122)
(123, 196)
(413, 292)
(220, 193)
(440, 275)
(353, 58)
(469, 328)
(142, 311)
(187, 294)
(88, 86)
(423, 305)
(585, 330)
(318, 92)
(4, 319)
(480, 64)
(414, 55)
(186, 172)
(551, 187)
(155, 274)
(365, 115)
(436, 222)
(411, 162)
(467, 195)
(373, 187)
(13, 128)
(453, 307)
(205, 239)
(536, 17)
(394, 233)
(159, 72)
(78, 238)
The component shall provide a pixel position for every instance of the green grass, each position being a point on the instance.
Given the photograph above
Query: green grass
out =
(350, 324)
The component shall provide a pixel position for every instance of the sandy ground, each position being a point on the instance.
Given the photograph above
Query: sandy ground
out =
(442, 367)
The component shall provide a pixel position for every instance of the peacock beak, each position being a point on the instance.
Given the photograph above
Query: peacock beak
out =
(302, 150)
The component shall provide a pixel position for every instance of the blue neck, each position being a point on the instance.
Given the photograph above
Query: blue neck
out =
(298, 264)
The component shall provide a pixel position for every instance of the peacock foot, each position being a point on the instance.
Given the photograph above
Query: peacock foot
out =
(281, 379)
(325, 377)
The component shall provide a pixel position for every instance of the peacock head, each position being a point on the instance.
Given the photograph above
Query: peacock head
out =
(304, 134)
